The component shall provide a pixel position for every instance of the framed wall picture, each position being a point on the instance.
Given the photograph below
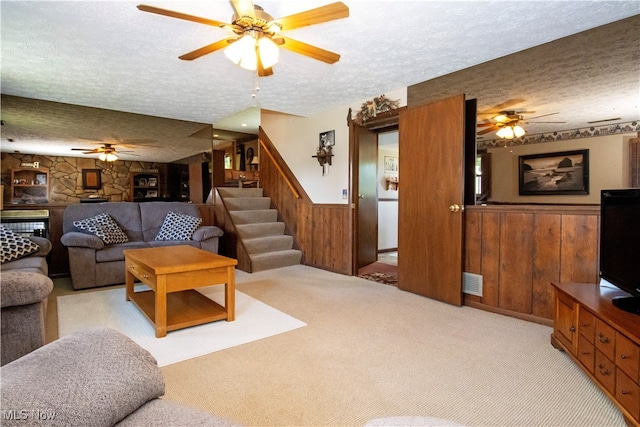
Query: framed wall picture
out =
(91, 179)
(327, 139)
(565, 172)
(390, 164)
(41, 179)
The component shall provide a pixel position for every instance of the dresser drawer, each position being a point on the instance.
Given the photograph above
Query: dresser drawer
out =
(587, 324)
(586, 353)
(605, 339)
(628, 394)
(605, 372)
(628, 357)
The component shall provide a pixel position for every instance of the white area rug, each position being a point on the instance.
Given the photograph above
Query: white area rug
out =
(254, 320)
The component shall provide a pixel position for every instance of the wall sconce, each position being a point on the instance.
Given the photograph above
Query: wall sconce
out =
(324, 155)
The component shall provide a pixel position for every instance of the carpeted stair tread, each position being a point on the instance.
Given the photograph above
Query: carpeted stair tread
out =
(255, 216)
(247, 203)
(261, 229)
(277, 259)
(230, 192)
(268, 244)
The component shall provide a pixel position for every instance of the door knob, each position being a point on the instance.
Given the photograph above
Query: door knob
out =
(456, 208)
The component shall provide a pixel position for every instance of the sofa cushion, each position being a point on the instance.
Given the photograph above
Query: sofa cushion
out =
(103, 226)
(178, 227)
(126, 214)
(13, 246)
(94, 377)
(153, 214)
(114, 252)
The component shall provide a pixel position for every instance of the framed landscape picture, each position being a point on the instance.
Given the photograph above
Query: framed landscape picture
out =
(565, 172)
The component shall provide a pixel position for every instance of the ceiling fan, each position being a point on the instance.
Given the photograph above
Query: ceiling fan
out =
(256, 35)
(511, 119)
(107, 152)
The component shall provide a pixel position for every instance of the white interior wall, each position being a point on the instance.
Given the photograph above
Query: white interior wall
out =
(296, 139)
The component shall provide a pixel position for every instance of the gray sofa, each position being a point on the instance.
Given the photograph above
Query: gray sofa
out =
(24, 289)
(93, 263)
(94, 377)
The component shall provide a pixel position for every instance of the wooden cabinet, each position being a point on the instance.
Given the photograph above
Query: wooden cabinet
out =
(29, 185)
(144, 186)
(602, 340)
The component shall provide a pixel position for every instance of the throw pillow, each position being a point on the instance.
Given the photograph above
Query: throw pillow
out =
(104, 227)
(14, 246)
(178, 227)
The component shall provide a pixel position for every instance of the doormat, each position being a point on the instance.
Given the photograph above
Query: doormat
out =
(387, 279)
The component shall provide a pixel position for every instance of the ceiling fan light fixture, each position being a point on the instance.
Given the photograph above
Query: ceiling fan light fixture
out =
(242, 52)
(501, 118)
(505, 132)
(107, 157)
(518, 131)
(269, 52)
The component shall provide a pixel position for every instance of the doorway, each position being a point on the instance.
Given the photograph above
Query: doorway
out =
(382, 266)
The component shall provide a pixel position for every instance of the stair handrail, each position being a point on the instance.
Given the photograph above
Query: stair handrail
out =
(279, 169)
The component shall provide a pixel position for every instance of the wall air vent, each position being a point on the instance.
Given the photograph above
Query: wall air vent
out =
(472, 284)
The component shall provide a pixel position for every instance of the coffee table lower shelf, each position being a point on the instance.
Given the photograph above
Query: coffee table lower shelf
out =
(184, 309)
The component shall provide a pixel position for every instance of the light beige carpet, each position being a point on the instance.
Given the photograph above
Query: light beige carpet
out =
(254, 320)
(371, 351)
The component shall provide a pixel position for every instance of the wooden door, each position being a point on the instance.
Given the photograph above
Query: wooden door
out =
(367, 197)
(430, 235)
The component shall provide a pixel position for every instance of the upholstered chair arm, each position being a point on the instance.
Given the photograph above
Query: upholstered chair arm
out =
(43, 243)
(23, 288)
(205, 232)
(93, 377)
(75, 238)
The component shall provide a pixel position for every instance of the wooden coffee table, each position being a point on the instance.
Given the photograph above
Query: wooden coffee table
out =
(172, 273)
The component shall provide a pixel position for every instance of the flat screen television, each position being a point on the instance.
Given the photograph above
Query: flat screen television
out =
(620, 244)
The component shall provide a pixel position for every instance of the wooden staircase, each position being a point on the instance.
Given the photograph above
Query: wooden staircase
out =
(258, 233)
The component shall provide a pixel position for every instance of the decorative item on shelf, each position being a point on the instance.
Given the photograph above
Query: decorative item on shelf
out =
(324, 155)
(375, 106)
(392, 183)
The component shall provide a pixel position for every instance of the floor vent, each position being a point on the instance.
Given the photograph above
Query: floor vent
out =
(472, 284)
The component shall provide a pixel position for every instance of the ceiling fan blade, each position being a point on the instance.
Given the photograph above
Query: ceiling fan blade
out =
(484, 131)
(80, 149)
(221, 44)
(179, 15)
(244, 8)
(318, 15)
(310, 51)
(503, 106)
(533, 123)
(544, 115)
(484, 125)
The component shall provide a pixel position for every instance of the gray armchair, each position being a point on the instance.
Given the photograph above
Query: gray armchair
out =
(24, 302)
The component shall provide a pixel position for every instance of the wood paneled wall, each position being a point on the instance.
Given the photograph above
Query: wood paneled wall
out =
(520, 249)
(321, 231)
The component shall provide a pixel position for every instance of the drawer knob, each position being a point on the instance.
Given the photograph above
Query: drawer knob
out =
(602, 338)
(572, 329)
(625, 392)
(623, 356)
(145, 276)
(603, 371)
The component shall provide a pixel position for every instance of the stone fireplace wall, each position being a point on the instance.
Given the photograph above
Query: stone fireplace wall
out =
(65, 176)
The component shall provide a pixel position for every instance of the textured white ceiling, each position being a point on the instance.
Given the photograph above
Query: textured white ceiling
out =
(110, 55)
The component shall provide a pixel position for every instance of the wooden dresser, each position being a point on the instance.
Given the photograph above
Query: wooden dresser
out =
(602, 340)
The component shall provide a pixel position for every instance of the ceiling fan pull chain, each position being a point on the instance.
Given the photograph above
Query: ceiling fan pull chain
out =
(256, 86)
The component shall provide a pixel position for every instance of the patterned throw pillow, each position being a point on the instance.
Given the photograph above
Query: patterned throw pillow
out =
(104, 227)
(13, 246)
(178, 227)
